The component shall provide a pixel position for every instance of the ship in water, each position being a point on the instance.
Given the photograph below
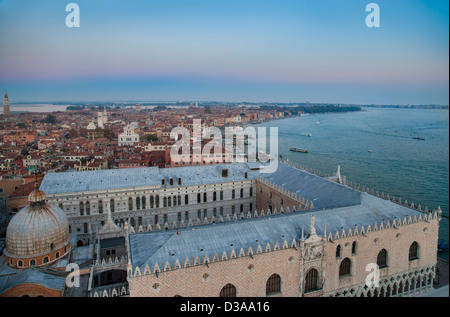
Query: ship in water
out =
(418, 138)
(306, 134)
(295, 149)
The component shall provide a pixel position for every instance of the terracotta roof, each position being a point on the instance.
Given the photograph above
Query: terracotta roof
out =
(25, 190)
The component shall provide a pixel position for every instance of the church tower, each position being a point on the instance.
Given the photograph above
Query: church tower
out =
(105, 116)
(6, 110)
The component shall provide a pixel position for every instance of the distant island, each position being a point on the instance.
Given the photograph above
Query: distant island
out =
(312, 108)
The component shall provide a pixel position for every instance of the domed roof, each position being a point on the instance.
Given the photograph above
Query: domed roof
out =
(36, 196)
(37, 229)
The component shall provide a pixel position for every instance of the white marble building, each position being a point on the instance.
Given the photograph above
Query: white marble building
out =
(143, 196)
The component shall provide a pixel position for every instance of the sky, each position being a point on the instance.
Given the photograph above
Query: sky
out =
(226, 50)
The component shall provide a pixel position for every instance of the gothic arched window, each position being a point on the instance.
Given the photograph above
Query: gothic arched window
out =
(273, 284)
(345, 267)
(338, 251)
(354, 248)
(382, 259)
(414, 251)
(228, 290)
(311, 280)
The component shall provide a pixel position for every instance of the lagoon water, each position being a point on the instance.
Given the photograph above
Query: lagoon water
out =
(397, 164)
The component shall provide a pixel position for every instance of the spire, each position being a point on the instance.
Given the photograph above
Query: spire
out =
(6, 110)
(110, 228)
(338, 174)
(312, 226)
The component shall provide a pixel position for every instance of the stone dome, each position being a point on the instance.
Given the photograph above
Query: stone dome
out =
(37, 229)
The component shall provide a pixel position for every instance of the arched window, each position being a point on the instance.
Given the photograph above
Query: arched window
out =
(214, 196)
(88, 208)
(112, 205)
(171, 182)
(382, 259)
(251, 191)
(199, 197)
(144, 202)
(354, 248)
(19, 263)
(138, 203)
(57, 255)
(242, 192)
(345, 267)
(100, 207)
(32, 262)
(169, 201)
(414, 251)
(233, 194)
(338, 251)
(221, 195)
(151, 202)
(81, 208)
(165, 202)
(273, 284)
(205, 197)
(186, 199)
(311, 281)
(45, 259)
(130, 203)
(228, 290)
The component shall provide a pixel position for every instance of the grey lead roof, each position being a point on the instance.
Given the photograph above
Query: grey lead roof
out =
(85, 181)
(31, 276)
(159, 247)
(322, 192)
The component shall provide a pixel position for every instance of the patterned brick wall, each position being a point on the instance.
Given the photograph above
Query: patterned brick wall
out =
(395, 241)
(249, 276)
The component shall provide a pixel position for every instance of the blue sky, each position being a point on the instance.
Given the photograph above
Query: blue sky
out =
(226, 50)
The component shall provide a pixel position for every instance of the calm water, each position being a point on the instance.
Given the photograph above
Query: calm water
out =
(37, 107)
(398, 165)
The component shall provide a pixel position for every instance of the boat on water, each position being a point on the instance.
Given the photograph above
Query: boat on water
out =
(418, 138)
(370, 151)
(306, 134)
(294, 149)
(318, 122)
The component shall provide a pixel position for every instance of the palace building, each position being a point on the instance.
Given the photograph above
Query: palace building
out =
(330, 249)
(220, 230)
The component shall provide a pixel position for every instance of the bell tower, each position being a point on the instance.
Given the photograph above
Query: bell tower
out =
(6, 110)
